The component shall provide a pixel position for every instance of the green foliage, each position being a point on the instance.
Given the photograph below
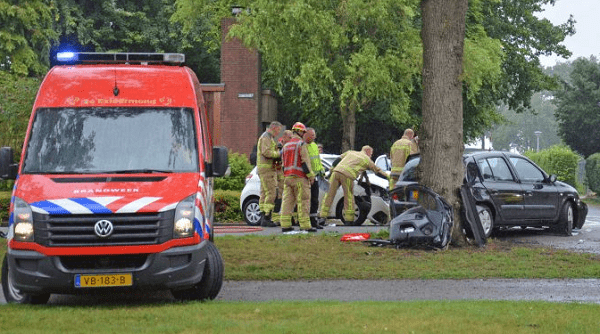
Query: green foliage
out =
(6, 185)
(137, 26)
(522, 45)
(518, 129)
(4, 204)
(353, 54)
(592, 172)
(559, 160)
(16, 99)
(26, 35)
(227, 206)
(239, 167)
(520, 73)
(578, 107)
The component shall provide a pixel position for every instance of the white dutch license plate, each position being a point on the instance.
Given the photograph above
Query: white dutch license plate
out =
(101, 281)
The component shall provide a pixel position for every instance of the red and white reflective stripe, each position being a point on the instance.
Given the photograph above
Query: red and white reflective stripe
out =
(136, 205)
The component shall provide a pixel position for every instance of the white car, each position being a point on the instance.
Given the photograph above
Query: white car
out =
(371, 195)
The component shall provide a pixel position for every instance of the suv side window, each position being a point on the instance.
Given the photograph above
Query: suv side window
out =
(527, 171)
(495, 168)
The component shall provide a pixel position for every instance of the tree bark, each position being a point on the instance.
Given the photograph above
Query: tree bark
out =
(441, 132)
(348, 126)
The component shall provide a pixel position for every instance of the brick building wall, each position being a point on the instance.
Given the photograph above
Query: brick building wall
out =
(240, 120)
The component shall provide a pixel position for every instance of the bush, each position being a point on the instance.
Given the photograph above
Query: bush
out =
(227, 206)
(7, 185)
(4, 205)
(592, 172)
(240, 167)
(16, 99)
(559, 160)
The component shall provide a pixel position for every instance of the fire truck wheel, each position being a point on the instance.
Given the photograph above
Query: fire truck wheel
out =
(212, 279)
(14, 295)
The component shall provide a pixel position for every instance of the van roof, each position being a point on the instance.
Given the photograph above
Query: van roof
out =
(136, 85)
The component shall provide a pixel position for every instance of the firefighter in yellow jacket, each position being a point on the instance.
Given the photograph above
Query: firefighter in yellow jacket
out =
(298, 177)
(267, 153)
(352, 163)
(399, 152)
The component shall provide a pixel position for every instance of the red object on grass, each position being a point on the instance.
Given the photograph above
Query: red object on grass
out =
(356, 237)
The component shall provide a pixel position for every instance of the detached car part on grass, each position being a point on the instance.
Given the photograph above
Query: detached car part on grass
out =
(426, 224)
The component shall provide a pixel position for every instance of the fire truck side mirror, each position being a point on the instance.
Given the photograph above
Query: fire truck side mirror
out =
(220, 163)
(8, 169)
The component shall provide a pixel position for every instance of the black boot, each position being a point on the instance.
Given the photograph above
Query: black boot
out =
(315, 224)
(265, 221)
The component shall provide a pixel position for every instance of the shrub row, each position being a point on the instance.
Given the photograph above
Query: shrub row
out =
(6, 185)
(592, 172)
(559, 160)
(227, 206)
(239, 167)
(4, 205)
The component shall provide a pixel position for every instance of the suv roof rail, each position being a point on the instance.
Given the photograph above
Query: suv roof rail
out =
(143, 58)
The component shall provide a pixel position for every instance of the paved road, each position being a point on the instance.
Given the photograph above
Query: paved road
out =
(581, 290)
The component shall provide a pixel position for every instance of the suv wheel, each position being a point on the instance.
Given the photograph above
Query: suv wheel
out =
(566, 219)
(486, 218)
(359, 215)
(251, 212)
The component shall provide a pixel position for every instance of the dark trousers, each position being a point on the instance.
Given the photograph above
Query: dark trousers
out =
(314, 198)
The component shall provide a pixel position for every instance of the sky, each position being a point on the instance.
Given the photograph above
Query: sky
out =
(586, 41)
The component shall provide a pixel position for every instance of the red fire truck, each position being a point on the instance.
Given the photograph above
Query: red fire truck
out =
(114, 189)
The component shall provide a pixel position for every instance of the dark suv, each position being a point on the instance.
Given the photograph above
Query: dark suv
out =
(511, 190)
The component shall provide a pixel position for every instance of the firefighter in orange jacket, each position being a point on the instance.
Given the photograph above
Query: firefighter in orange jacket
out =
(267, 153)
(298, 177)
(399, 152)
(352, 163)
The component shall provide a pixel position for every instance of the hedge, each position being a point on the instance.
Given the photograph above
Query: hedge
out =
(592, 172)
(227, 206)
(239, 167)
(559, 160)
(4, 205)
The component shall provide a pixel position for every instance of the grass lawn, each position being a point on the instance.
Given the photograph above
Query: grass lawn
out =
(307, 317)
(282, 257)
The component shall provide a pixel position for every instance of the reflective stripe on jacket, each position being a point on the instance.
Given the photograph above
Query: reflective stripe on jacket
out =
(295, 155)
(315, 158)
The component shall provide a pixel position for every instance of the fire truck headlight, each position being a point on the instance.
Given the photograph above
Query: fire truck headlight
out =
(183, 226)
(23, 220)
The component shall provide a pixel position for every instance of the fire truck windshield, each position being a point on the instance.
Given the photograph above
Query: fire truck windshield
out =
(111, 140)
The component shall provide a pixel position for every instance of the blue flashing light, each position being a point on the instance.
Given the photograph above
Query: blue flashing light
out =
(66, 56)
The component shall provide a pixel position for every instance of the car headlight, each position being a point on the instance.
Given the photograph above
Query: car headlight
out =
(183, 226)
(23, 221)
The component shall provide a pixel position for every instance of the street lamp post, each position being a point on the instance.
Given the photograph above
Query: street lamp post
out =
(537, 134)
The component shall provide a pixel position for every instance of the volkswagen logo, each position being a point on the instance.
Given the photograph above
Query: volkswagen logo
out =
(103, 228)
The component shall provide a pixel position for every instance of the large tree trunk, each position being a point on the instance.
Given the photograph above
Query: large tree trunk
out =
(441, 132)
(348, 126)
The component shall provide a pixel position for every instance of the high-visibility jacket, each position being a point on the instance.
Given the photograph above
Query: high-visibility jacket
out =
(315, 158)
(266, 151)
(356, 162)
(296, 161)
(399, 152)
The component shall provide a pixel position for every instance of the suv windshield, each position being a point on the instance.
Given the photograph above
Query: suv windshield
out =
(112, 140)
